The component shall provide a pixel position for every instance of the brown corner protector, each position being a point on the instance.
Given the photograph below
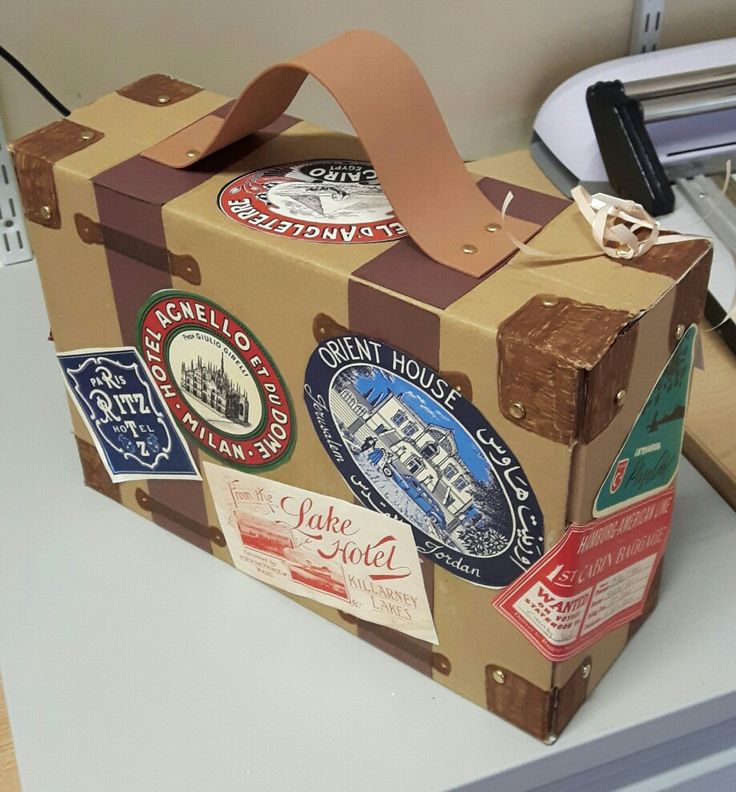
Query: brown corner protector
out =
(690, 295)
(607, 383)
(34, 157)
(324, 326)
(461, 382)
(542, 713)
(568, 699)
(94, 472)
(210, 532)
(347, 617)
(518, 701)
(670, 260)
(441, 664)
(51, 335)
(543, 349)
(158, 90)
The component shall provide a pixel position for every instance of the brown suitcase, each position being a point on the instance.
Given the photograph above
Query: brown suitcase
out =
(158, 227)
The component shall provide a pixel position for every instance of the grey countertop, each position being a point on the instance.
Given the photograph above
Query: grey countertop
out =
(133, 661)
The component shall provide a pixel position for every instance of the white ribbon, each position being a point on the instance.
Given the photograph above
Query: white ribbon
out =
(614, 223)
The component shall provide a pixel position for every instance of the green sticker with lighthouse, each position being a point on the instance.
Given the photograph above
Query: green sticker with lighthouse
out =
(650, 456)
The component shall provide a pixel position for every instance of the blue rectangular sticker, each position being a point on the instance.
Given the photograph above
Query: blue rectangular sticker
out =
(131, 426)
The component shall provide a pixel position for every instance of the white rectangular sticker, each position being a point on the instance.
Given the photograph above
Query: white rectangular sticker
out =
(331, 551)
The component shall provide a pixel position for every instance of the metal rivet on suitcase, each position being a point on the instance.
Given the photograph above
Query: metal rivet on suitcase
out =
(517, 410)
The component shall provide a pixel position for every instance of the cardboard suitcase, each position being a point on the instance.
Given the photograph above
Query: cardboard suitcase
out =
(232, 295)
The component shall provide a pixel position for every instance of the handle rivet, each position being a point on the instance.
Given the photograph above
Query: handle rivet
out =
(469, 249)
(517, 410)
(620, 397)
(679, 331)
(87, 134)
(45, 212)
(192, 153)
(548, 302)
(498, 676)
(163, 99)
(586, 669)
(493, 227)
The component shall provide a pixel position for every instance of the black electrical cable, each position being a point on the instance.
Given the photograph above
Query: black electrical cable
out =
(34, 81)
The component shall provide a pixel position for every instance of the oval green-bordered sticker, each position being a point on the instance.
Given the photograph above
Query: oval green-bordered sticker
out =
(219, 382)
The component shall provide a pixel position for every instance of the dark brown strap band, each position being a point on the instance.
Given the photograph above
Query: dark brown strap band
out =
(392, 109)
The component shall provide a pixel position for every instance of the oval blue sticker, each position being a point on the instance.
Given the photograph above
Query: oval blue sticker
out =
(409, 445)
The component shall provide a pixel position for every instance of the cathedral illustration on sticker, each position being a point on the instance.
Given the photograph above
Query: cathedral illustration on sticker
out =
(220, 384)
(409, 445)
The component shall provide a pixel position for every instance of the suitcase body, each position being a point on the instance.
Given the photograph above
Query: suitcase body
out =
(282, 242)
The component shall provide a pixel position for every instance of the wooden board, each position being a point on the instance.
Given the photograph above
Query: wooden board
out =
(8, 770)
(710, 429)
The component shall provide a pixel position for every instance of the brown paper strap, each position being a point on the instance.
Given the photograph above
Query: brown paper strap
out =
(392, 109)
(416, 330)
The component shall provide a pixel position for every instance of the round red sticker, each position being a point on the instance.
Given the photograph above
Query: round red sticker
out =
(217, 380)
(332, 201)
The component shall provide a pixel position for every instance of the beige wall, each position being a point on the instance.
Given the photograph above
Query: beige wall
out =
(490, 63)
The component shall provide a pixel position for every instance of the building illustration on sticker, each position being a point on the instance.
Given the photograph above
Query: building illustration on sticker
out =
(415, 462)
(409, 445)
(211, 385)
(304, 567)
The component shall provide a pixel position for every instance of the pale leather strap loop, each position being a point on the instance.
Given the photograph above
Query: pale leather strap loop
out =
(393, 112)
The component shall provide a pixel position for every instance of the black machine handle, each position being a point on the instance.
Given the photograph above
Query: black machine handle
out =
(631, 162)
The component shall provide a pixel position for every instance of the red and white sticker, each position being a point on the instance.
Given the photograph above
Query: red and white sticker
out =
(326, 549)
(329, 200)
(596, 579)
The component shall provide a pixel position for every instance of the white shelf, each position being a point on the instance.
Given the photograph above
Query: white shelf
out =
(133, 661)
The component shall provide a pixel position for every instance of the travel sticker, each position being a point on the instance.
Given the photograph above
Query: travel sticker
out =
(328, 200)
(323, 548)
(594, 580)
(649, 458)
(131, 426)
(217, 379)
(410, 446)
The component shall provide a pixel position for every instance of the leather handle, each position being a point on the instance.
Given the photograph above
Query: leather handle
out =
(391, 108)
